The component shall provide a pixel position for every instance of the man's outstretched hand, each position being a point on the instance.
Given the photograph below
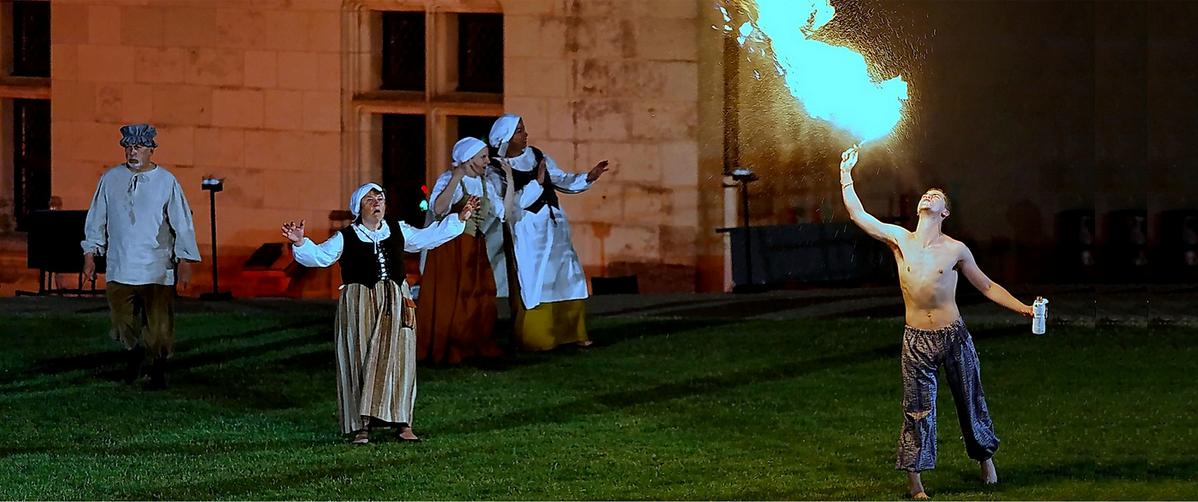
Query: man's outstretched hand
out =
(848, 159)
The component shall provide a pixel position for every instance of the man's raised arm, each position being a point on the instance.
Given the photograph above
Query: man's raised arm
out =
(881, 231)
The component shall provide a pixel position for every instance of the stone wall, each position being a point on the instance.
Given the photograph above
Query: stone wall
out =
(617, 80)
(249, 91)
(254, 91)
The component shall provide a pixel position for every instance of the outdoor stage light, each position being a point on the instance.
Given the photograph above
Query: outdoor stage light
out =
(213, 184)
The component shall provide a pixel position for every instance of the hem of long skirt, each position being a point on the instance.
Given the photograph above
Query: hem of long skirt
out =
(914, 469)
(558, 300)
(386, 423)
(392, 423)
(542, 349)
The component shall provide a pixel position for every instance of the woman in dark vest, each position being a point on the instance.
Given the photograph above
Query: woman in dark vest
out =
(550, 305)
(376, 339)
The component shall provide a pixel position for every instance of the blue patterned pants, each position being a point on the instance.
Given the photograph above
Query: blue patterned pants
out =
(924, 352)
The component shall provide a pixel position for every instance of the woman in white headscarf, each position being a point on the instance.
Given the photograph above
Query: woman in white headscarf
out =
(550, 279)
(457, 288)
(375, 338)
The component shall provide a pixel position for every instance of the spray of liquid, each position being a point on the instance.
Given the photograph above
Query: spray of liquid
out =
(832, 83)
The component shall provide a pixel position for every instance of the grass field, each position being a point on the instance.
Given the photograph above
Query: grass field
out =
(661, 409)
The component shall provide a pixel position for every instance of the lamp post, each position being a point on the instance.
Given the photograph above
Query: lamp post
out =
(744, 176)
(213, 185)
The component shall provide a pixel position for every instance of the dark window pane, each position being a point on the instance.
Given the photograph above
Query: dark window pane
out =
(480, 52)
(473, 126)
(30, 157)
(403, 51)
(403, 166)
(31, 38)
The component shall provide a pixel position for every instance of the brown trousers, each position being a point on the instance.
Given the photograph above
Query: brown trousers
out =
(143, 315)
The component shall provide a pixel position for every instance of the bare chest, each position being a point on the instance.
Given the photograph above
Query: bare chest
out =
(924, 265)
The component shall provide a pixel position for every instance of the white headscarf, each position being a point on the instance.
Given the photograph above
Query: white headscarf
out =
(502, 131)
(465, 149)
(355, 200)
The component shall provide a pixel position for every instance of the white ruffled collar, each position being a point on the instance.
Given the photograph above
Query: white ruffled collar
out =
(525, 161)
(372, 236)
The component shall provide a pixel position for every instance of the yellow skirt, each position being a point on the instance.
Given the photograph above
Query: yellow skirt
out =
(551, 324)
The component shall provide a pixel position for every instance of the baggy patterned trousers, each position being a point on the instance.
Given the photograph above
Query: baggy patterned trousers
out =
(923, 353)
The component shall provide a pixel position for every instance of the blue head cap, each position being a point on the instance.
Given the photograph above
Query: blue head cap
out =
(139, 134)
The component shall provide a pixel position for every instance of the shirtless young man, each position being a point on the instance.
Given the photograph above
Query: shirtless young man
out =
(935, 335)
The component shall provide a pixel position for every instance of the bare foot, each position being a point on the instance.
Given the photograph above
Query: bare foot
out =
(915, 486)
(989, 475)
(362, 437)
(406, 434)
(585, 343)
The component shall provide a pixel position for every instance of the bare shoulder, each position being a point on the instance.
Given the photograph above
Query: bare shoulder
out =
(898, 233)
(958, 247)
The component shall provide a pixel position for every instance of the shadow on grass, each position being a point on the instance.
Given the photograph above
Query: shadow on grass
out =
(648, 328)
(216, 389)
(604, 403)
(955, 484)
(743, 309)
(649, 308)
(194, 359)
(603, 336)
(345, 462)
(948, 483)
(1182, 469)
(193, 376)
(108, 365)
(189, 448)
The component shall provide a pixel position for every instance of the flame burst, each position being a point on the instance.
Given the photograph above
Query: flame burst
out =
(832, 83)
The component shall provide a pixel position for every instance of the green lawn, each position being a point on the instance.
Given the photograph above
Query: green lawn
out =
(660, 410)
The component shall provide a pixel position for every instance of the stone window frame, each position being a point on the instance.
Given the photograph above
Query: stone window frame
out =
(363, 104)
(12, 88)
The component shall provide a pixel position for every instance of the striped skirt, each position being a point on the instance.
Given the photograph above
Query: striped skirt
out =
(376, 356)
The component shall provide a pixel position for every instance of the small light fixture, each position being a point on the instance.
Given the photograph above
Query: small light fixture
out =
(212, 183)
